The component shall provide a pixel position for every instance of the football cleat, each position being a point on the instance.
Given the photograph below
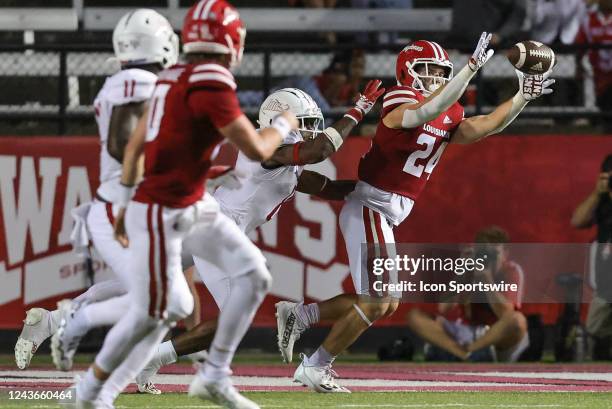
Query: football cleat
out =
(39, 325)
(148, 387)
(289, 328)
(35, 331)
(63, 348)
(318, 378)
(221, 392)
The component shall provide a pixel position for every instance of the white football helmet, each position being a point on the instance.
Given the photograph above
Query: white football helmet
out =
(144, 37)
(299, 103)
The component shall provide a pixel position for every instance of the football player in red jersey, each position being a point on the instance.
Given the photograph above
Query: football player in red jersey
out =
(193, 108)
(420, 117)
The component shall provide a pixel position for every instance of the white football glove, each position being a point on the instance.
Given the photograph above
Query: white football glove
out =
(225, 176)
(481, 54)
(534, 86)
(201, 213)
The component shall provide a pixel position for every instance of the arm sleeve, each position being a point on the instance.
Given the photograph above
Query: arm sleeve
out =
(220, 106)
(439, 103)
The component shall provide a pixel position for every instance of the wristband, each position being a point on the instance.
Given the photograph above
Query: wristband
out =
(282, 125)
(334, 137)
(355, 114)
(296, 153)
(125, 194)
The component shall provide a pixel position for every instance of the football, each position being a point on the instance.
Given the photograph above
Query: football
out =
(531, 57)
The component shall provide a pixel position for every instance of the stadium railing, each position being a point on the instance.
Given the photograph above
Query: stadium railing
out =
(59, 83)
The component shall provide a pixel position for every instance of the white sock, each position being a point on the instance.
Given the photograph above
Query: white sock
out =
(246, 294)
(78, 326)
(308, 314)
(135, 362)
(53, 321)
(321, 358)
(89, 387)
(166, 353)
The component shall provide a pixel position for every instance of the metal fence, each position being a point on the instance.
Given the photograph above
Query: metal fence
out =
(56, 85)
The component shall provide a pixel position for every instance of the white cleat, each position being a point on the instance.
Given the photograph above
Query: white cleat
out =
(143, 379)
(221, 392)
(34, 332)
(62, 348)
(318, 378)
(149, 388)
(289, 328)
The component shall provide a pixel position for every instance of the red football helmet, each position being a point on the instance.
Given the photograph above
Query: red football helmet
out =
(424, 53)
(214, 26)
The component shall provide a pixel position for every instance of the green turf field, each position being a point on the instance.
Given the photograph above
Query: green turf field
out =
(368, 400)
(304, 400)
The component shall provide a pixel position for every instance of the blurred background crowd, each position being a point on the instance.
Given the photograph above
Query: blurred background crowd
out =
(290, 43)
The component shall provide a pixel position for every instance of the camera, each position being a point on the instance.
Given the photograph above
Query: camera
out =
(489, 255)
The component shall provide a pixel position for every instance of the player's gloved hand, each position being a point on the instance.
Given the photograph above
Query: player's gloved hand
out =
(120, 232)
(534, 86)
(226, 176)
(366, 100)
(481, 54)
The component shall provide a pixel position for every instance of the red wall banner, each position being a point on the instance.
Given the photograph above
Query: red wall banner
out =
(529, 185)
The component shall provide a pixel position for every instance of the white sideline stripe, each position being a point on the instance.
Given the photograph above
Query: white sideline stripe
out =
(53, 376)
(399, 100)
(399, 91)
(32, 376)
(571, 376)
(213, 77)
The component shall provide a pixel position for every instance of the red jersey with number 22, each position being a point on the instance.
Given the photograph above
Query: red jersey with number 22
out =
(401, 160)
(189, 105)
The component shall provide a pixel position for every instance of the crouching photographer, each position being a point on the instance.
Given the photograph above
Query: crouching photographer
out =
(596, 210)
(479, 326)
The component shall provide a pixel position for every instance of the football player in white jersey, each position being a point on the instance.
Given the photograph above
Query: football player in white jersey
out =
(265, 187)
(144, 43)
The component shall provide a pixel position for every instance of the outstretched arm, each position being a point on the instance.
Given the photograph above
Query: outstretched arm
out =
(329, 141)
(478, 127)
(413, 115)
(314, 183)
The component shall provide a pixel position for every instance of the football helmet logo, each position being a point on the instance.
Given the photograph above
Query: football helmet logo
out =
(298, 103)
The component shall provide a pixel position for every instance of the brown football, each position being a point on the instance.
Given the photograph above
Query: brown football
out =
(531, 57)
